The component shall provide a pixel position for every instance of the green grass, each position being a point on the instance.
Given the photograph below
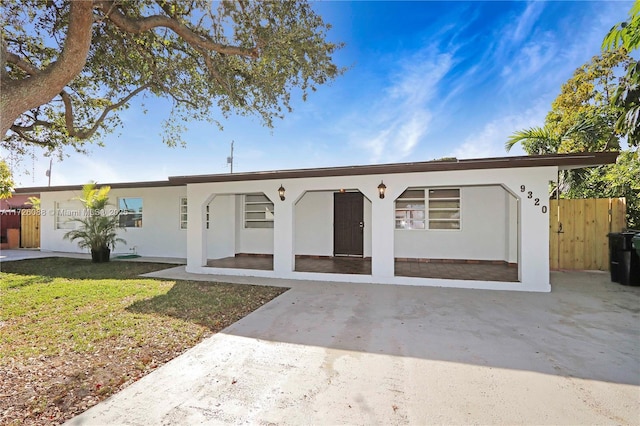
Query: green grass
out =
(54, 305)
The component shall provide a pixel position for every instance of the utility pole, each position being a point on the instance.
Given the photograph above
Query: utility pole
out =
(49, 171)
(230, 158)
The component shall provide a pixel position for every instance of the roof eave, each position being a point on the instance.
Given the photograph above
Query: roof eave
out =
(562, 161)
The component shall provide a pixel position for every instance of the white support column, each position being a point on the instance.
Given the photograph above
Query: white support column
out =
(382, 237)
(283, 237)
(196, 242)
(533, 230)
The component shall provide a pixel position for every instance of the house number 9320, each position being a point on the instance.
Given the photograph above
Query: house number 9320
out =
(536, 201)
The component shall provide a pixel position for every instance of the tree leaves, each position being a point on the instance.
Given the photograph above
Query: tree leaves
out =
(208, 61)
(6, 181)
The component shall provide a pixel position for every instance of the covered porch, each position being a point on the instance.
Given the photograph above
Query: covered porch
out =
(435, 268)
(457, 228)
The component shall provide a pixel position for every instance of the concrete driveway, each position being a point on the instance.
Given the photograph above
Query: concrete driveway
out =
(371, 354)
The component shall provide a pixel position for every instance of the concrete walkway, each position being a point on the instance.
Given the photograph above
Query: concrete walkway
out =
(24, 254)
(325, 353)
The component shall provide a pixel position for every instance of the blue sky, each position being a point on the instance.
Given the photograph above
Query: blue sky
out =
(426, 80)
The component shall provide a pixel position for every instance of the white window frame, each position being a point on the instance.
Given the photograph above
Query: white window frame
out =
(62, 220)
(408, 218)
(430, 209)
(141, 214)
(183, 213)
(247, 208)
(419, 211)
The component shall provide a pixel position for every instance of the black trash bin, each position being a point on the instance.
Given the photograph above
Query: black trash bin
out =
(624, 262)
(615, 250)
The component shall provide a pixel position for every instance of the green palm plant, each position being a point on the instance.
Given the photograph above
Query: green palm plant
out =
(98, 228)
(34, 202)
(545, 140)
(535, 140)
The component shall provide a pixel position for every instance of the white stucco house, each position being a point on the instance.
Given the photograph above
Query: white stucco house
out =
(424, 223)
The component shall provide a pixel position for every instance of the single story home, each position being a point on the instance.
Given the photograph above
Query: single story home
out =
(477, 223)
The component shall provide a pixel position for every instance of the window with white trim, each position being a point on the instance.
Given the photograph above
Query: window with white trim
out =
(418, 208)
(410, 209)
(258, 211)
(65, 212)
(183, 213)
(130, 212)
(207, 216)
(444, 208)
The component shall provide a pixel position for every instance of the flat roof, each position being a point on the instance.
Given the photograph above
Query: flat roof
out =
(562, 161)
(117, 185)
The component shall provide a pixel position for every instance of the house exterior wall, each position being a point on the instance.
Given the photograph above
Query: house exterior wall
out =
(221, 235)
(529, 185)
(511, 237)
(482, 234)
(314, 224)
(160, 234)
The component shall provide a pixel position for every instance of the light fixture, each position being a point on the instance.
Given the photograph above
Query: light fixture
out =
(281, 192)
(381, 189)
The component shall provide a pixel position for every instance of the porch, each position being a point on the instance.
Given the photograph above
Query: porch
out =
(466, 229)
(418, 268)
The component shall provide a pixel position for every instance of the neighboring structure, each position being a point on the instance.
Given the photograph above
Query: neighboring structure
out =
(10, 219)
(404, 223)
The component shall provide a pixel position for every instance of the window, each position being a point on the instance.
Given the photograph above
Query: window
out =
(258, 211)
(65, 212)
(444, 208)
(130, 212)
(183, 213)
(207, 218)
(428, 209)
(410, 209)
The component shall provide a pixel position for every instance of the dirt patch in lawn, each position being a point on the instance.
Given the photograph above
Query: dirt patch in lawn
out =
(73, 335)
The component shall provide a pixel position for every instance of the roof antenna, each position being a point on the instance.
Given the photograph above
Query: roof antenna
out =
(230, 158)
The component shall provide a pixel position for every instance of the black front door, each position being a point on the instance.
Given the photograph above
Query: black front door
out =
(348, 224)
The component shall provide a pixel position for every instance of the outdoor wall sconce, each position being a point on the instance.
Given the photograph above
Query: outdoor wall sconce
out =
(381, 189)
(281, 192)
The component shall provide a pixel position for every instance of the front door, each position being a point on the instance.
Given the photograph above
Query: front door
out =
(348, 224)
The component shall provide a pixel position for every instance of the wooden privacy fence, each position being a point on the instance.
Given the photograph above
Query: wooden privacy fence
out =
(578, 231)
(29, 228)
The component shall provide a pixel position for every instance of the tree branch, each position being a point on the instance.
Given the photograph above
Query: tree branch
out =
(18, 96)
(32, 126)
(87, 133)
(139, 25)
(25, 66)
(21, 132)
(3, 60)
(179, 99)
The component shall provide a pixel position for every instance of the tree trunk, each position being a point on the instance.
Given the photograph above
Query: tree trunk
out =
(22, 95)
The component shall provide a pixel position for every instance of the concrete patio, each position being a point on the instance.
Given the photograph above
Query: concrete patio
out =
(327, 353)
(444, 269)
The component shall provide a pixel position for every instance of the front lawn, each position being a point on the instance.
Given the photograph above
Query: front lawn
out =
(74, 332)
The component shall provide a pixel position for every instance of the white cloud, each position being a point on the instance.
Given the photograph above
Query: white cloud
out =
(490, 140)
(527, 21)
(393, 127)
(74, 170)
